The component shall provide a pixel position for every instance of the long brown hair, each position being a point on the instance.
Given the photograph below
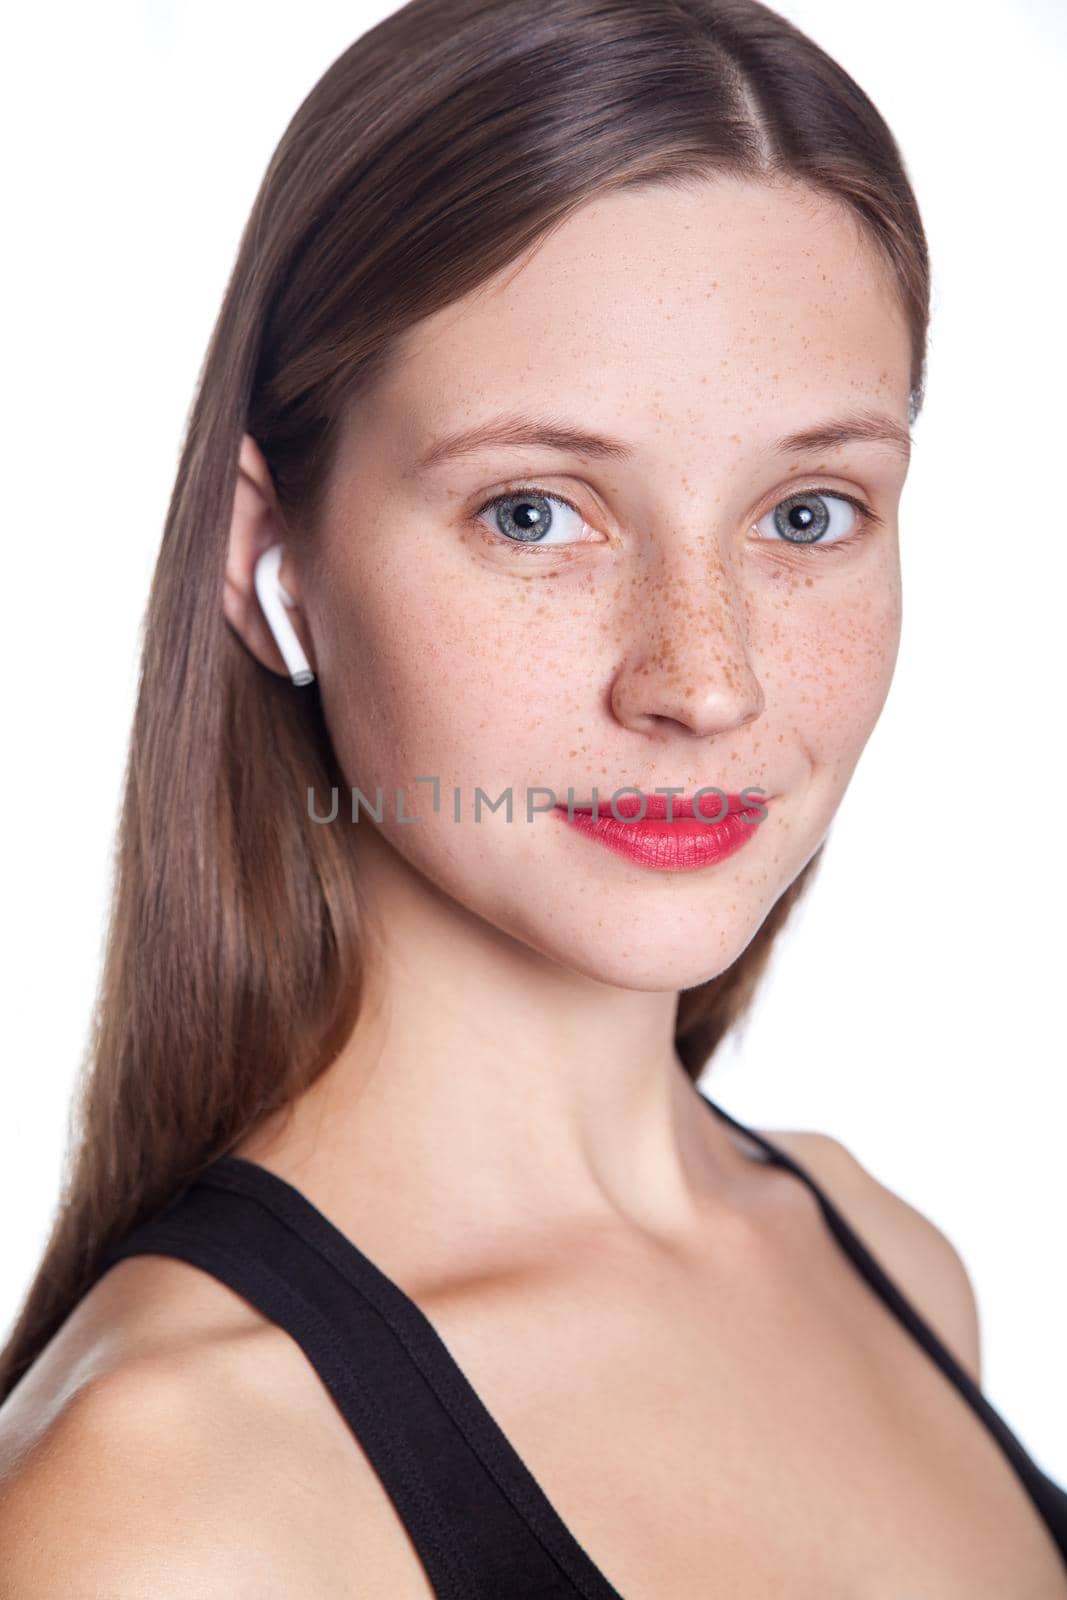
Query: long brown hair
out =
(436, 149)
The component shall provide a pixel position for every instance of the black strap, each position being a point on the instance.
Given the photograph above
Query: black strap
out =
(1048, 1497)
(478, 1521)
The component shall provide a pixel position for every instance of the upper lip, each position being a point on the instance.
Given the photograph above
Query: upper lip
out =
(628, 804)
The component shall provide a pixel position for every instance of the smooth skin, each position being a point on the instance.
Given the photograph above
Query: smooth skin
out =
(709, 1393)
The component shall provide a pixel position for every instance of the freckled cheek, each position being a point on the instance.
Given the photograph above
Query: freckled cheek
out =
(444, 680)
(828, 661)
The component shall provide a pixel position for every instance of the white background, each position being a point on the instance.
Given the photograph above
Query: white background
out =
(915, 1010)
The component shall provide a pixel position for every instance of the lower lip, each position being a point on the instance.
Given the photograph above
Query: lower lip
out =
(677, 846)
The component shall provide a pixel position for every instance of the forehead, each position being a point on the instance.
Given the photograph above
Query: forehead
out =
(727, 303)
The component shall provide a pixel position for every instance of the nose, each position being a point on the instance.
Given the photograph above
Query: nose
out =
(687, 667)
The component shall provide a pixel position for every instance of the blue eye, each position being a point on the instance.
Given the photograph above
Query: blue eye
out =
(817, 516)
(528, 517)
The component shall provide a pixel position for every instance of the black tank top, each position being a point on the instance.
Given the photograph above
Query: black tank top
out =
(482, 1525)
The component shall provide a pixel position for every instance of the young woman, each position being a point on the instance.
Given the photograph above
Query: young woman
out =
(565, 378)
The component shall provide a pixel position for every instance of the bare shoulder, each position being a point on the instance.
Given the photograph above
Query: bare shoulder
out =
(171, 1442)
(915, 1253)
(131, 1454)
(98, 1507)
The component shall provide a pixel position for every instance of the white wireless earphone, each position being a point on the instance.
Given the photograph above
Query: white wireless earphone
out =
(273, 598)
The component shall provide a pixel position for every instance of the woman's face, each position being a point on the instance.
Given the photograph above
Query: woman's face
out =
(660, 630)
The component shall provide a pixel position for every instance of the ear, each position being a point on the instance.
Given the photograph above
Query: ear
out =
(257, 524)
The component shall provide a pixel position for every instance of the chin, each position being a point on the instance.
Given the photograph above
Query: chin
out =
(648, 952)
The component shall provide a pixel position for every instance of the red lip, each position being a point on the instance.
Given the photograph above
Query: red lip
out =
(695, 839)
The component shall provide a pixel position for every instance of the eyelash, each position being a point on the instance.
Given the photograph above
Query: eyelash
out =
(869, 518)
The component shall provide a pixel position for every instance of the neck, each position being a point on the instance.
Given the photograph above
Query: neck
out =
(484, 1078)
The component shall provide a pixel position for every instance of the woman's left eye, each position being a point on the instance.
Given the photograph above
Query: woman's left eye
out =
(817, 516)
(529, 517)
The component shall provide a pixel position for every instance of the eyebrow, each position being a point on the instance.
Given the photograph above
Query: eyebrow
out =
(870, 427)
(861, 426)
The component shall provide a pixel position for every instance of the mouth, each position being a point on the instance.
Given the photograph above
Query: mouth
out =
(703, 828)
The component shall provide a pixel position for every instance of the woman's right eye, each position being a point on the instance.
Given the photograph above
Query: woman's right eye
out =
(528, 516)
